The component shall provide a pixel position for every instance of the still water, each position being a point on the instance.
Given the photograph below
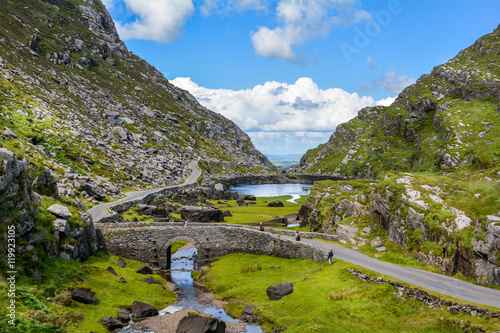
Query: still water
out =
(273, 190)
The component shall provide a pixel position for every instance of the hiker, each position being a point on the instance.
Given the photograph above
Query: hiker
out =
(330, 256)
(297, 236)
(195, 260)
(445, 251)
(261, 228)
(186, 223)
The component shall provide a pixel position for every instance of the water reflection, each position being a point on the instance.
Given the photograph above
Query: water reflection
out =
(273, 190)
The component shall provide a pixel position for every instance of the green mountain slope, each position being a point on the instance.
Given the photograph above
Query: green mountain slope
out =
(75, 100)
(425, 171)
(447, 121)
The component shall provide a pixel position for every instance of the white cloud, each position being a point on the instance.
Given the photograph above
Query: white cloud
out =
(157, 20)
(301, 21)
(228, 7)
(300, 113)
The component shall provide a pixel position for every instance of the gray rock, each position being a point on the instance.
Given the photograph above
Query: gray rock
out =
(63, 227)
(111, 270)
(60, 211)
(142, 310)
(111, 323)
(151, 280)
(250, 198)
(144, 270)
(123, 314)
(247, 315)
(279, 291)
(9, 133)
(202, 214)
(346, 188)
(199, 324)
(376, 242)
(482, 134)
(121, 263)
(83, 296)
(381, 249)
(122, 280)
(276, 203)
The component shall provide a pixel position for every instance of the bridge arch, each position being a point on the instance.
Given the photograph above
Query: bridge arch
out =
(149, 242)
(167, 248)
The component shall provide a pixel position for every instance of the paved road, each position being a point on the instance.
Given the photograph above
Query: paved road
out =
(436, 282)
(100, 211)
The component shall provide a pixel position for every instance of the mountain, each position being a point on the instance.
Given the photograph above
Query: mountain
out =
(447, 121)
(76, 101)
(421, 173)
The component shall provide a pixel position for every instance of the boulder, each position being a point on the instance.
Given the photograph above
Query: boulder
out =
(60, 211)
(122, 280)
(250, 198)
(111, 270)
(63, 227)
(276, 203)
(227, 214)
(144, 270)
(199, 324)
(83, 296)
(279, 291)
(381, 249)
(111, 323)
(279, 220)
(121, 263)
(202, 214)
(376, 242)
(247, 315)
(142, 310)
(123, 314)
(151, 280)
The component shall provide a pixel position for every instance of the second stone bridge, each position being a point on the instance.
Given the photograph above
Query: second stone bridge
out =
(151, 242)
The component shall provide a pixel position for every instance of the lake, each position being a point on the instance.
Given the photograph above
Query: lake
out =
(273, 190)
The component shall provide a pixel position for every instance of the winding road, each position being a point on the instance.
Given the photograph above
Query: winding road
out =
(101, 211)
(431, 281)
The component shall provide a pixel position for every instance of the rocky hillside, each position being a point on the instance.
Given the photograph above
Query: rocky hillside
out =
(75, 100)
(447, 121)
(425, 171)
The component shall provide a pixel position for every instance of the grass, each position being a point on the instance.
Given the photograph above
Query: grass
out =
(326, 299)
(59, 275)
(254, 214)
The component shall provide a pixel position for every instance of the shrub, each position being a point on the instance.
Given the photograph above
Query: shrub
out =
(251, 268)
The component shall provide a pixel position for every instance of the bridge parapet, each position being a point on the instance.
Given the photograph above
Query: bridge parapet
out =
(149, 241)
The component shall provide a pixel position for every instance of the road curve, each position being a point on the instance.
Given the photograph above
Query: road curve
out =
(436, 282)
(101, 211)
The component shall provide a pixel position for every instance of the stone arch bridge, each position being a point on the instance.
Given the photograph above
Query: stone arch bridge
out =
(151, 241)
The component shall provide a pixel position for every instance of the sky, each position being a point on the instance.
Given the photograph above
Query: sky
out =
(288, 72)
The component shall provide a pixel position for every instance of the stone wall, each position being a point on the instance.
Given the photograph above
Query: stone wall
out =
(148, 242)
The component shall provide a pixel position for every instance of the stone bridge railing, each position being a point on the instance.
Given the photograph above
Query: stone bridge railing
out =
(150, 241)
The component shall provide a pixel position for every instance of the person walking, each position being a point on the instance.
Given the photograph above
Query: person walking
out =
(195, 260)
(297, 236)
(330, 256)
(445, 251)
(186, 223)
(261, 228)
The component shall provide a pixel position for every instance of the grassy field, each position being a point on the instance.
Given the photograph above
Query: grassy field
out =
(326, 299)
(254, 214)
(59, 276)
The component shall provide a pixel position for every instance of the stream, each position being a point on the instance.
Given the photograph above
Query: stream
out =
(187, 296)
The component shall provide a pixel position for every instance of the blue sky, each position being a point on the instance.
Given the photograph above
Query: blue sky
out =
(288, 72)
